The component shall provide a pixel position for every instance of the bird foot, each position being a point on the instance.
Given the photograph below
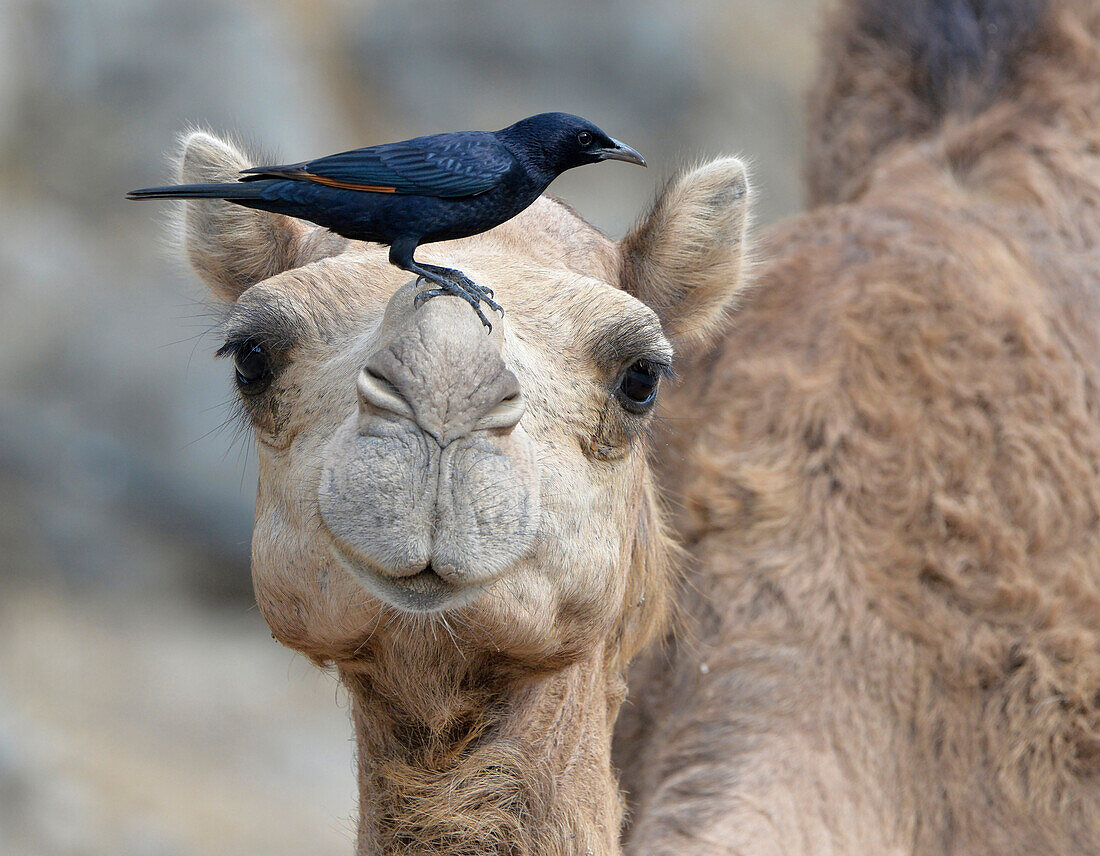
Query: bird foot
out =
(458, 277)
(457, 284)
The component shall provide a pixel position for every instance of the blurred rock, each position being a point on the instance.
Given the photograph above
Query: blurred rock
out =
(111, 427)
(134, 727)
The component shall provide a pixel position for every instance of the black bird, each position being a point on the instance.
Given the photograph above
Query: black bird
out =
(426, 189)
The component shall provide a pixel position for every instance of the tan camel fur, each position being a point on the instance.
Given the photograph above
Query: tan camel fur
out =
(883, 475)
(465, 525)
(886, 474)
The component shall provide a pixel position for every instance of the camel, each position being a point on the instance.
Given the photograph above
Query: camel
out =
(887, 480)
(858, 523)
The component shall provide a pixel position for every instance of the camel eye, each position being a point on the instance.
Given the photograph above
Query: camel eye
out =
(253, 368)
(584, 138)
(637, 389)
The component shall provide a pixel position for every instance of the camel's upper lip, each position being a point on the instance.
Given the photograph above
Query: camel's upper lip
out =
(422, 592)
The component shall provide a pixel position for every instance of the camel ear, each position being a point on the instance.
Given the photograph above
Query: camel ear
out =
(232, 247)
(686, 258)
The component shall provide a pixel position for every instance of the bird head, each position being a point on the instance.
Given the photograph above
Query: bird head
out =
(555, 142)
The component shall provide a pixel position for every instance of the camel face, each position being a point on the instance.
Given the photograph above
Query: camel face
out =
(412, 464)
(423, 466)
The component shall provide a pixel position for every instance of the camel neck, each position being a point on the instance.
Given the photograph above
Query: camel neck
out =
(487, 764)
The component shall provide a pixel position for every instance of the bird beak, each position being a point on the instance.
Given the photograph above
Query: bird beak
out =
(623, 152)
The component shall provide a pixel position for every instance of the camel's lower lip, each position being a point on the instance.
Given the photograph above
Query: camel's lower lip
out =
(426, 581)
(422, 592)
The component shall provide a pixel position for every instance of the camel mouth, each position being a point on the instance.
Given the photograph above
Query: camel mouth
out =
(426, 581)
(423, 592)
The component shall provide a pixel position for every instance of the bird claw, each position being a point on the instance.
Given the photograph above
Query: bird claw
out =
(423, 296)
(484, 320)
(456, 284)
(487, 297)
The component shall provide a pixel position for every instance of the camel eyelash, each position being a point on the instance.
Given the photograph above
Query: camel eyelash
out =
(632, 340)
(659, 364)
(238, 341)
(233, 346)
(268, 323)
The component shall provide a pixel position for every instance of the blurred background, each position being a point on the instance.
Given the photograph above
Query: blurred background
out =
(144, 708)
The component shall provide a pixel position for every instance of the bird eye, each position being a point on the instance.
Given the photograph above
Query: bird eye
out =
(637, 389)
(584, 138)
(253, 368)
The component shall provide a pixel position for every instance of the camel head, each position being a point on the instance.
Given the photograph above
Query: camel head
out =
(420, 478)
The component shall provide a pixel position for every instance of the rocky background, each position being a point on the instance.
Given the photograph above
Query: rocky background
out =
(144, 708)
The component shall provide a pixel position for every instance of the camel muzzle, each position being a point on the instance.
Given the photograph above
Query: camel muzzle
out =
(430, 489)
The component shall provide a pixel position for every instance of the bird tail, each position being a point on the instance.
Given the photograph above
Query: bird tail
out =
(223, 190)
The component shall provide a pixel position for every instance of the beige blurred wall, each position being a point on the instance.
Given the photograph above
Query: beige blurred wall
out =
(143, 707)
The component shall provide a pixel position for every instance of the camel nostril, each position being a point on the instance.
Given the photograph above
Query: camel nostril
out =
(505, 414)
(377, 391)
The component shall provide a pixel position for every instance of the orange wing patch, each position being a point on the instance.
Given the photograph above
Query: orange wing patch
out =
(347, 185)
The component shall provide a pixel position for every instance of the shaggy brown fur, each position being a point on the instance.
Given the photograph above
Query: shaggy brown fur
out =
(890, 490)
(476, 775)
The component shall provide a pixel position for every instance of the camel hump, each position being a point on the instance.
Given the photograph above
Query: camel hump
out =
(957, 54)
(895, 71)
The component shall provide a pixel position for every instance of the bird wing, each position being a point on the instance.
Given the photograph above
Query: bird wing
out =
(463, 164)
